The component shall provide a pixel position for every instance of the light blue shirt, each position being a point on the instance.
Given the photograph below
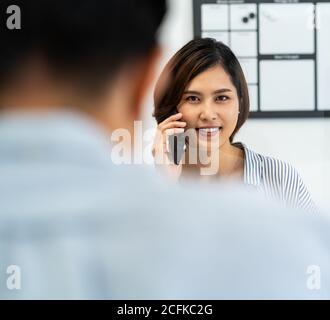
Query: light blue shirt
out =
(77, 226)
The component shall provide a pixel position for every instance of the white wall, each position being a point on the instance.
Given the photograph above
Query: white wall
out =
(302, 142)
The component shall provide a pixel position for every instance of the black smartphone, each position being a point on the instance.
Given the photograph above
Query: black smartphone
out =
(176, 144)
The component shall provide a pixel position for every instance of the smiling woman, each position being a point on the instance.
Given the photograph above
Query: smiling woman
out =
(202, 94)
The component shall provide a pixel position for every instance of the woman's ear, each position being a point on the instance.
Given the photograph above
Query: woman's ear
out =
(240, 105)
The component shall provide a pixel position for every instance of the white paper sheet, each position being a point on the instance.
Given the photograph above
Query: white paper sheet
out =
(286, 28)
(287, 85)
(215, 17)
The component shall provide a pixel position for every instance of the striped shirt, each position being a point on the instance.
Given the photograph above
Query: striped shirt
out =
(277, 179)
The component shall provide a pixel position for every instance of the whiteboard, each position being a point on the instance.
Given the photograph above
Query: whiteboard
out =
(214, 17)
(283, 48)
(323, 55)
(222, 36)
(286, 28)
(282, 87)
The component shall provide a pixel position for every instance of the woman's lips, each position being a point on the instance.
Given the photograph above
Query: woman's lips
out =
(208, 132)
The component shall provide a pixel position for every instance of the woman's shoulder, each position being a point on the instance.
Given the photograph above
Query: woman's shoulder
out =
(279, 176)
(271, 166)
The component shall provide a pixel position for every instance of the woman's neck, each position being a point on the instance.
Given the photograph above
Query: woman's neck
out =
(226, 162)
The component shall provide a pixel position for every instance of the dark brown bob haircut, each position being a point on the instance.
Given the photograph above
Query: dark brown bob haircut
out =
(194, 58)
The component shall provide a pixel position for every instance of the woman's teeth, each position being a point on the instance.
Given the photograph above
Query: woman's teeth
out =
(208, 132)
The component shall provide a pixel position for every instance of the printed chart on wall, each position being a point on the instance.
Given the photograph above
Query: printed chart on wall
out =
(283, 48)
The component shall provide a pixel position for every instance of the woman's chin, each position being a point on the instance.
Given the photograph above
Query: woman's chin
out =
(207, 145)
(210, 144)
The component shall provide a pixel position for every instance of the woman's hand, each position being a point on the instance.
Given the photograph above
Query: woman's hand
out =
(160, 150)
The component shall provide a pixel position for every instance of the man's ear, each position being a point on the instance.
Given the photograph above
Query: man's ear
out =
(144, 76)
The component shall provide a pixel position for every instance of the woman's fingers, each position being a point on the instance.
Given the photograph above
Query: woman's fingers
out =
(167, 134)
(175, 117)
(168, 127)
(170, 132)
(161, 140)
(173, 124)
(160, 150)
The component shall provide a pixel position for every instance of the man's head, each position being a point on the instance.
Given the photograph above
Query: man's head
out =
(96, 56)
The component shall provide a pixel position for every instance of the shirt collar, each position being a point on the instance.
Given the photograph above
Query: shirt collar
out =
(252, 166)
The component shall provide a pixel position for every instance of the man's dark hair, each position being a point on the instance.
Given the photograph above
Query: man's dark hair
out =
(87, 39)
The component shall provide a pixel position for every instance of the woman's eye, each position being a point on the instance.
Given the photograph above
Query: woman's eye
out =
(222, 98)
(192, 99)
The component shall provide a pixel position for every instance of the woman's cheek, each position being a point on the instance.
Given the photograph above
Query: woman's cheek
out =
(230, 122)
(228, 119)
(231, 117)
(185, 112)
(189, 117)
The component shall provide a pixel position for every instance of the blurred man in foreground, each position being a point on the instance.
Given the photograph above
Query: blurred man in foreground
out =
(74, 225)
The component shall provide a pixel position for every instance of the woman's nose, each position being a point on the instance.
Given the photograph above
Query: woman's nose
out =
(208, 114)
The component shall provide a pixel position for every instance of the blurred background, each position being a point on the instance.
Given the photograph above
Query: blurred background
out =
(303, 142)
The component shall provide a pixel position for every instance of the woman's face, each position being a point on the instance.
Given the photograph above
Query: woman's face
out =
(210, 106)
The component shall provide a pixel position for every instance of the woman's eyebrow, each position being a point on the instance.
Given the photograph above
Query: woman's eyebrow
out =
(215, 92)
(192, 92)
(222, 91)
